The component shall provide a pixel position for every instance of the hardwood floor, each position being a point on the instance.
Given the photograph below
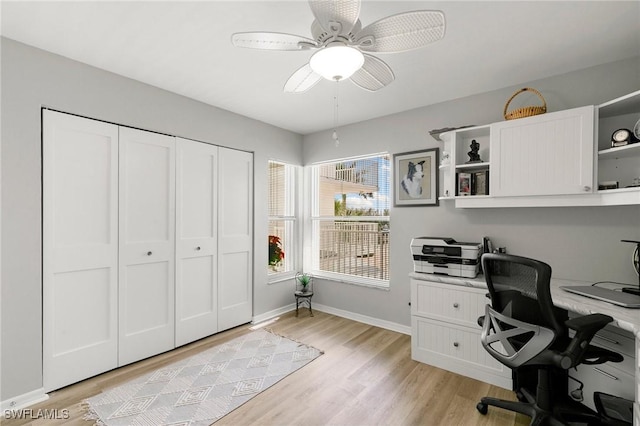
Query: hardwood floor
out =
(365, 377)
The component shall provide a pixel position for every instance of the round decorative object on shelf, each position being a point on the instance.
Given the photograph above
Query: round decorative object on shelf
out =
(636, 129)
(621, 137)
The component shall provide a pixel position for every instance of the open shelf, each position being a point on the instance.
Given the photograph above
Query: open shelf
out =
(471, 166)
(626, 151)
(623, 105)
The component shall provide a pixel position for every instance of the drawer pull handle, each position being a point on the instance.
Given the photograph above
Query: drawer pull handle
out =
(609, 339)
(455, 305)
(604, 373)
(198, 248)
(149, 253)
(456, 344)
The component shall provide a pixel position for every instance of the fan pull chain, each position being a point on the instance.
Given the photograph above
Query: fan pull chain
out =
(335, 116)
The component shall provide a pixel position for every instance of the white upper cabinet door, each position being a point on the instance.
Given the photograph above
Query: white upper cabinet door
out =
(147, 244)
(235, 242)
(80, 248)
(196, 240)
(548, 154)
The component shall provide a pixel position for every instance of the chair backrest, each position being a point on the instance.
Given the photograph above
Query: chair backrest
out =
(520, 288)
(521, 323)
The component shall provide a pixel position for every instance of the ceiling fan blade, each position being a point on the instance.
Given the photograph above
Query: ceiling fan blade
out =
(345, 12)
(401, 32)
(374, 74)
(272, 41)
(302, 80)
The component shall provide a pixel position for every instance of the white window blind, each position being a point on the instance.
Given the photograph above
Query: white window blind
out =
(283, 232)
(350, 219)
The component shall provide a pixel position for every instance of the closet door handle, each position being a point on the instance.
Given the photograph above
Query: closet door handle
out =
(149, 253)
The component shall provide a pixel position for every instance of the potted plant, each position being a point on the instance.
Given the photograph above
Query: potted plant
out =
(276, 254)
(304, 280)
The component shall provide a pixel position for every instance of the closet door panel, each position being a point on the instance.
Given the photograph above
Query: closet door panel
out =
(196, 234)
(147, 244)
(235, 243)
(80, 248)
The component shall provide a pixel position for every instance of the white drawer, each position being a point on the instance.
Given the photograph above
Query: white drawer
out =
(447, 302)
(603, 378)
(619, 341)
(456, 348)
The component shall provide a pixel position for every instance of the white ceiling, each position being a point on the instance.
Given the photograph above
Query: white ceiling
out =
(185, 47)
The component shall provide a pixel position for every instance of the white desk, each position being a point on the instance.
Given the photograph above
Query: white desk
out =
(623, 318)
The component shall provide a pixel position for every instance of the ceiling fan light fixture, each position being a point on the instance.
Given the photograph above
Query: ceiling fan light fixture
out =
(336, 62)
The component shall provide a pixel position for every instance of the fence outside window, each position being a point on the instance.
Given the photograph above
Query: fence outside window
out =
(350, 217)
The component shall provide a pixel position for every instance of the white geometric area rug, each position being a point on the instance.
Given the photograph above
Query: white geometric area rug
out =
(201, 389)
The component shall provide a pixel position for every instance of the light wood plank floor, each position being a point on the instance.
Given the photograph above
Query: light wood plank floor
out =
(365, 377)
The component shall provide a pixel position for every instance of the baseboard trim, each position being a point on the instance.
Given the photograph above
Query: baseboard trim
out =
(388, 325)
(272, 314)
(25, 400)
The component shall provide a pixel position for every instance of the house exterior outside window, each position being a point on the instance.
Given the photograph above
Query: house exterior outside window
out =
(349, 220)
(284, 231)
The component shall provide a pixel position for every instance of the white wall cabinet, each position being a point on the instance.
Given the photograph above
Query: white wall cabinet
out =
(550, 160)
(458, 146)
(80, 247)
(147, 244)
(445, 332)
(618, 164)
(548, 154)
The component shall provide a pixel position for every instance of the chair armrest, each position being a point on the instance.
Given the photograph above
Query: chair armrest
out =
(588, 323)
(585, 327)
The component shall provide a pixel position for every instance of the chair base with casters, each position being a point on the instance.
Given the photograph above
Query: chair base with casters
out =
(551, 405)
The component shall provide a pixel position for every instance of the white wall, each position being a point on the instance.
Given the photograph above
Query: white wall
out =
(578, 242)
(32, 78)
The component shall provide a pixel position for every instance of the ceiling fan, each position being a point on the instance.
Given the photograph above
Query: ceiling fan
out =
(343, 46)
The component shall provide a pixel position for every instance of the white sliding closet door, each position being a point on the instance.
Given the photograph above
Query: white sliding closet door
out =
(147, 244)
(80, 248)
(235, 230)
(196, 240)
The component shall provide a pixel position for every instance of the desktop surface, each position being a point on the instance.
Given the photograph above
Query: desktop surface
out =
(619, 298)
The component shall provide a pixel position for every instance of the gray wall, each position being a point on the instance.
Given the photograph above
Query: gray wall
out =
(581, 243)
(32, 78)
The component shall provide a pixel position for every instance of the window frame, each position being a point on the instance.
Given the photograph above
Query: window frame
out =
(293, 253)
(312, 221)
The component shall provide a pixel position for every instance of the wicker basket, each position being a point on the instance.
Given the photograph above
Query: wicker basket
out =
(527, 111)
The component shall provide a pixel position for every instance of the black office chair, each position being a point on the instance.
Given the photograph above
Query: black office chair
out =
(524, 331)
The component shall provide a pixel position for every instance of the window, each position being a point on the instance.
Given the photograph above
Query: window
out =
(350, 220)
(283, 225)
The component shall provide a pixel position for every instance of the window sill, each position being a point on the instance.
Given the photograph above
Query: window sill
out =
(280, 277)
(348, 279)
